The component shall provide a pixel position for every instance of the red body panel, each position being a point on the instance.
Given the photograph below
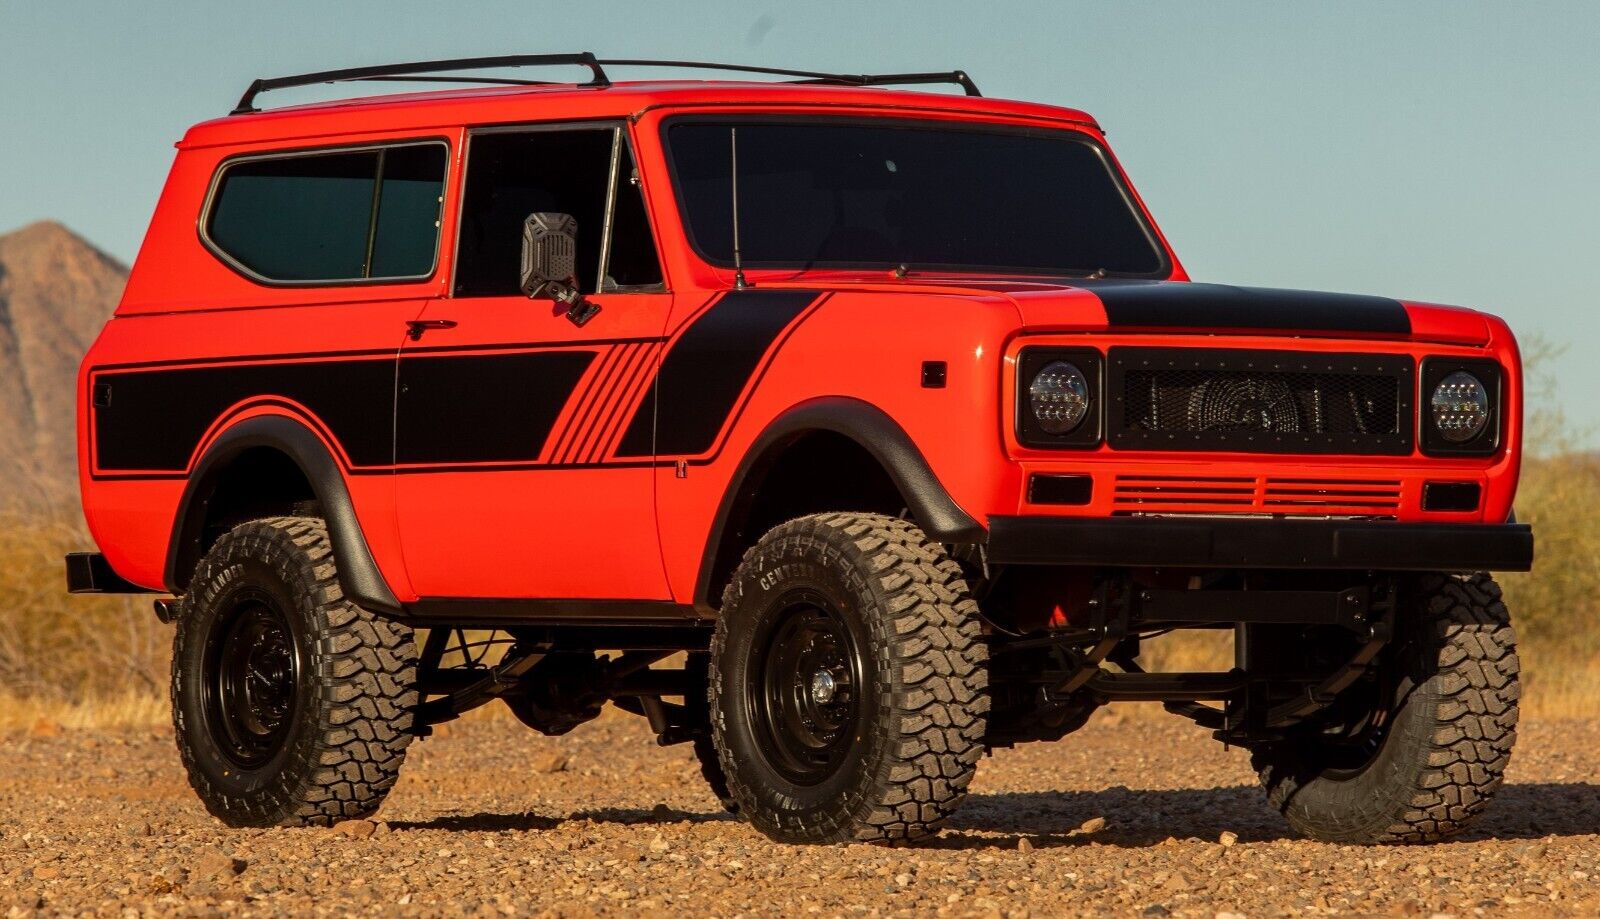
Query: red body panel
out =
(503, 532)
(582, 520)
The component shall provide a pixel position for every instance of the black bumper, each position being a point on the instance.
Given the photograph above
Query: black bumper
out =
(90, 573)
(1175, 542)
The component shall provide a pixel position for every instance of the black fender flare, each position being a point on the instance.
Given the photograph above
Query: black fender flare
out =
(881, 436)
(359, 576)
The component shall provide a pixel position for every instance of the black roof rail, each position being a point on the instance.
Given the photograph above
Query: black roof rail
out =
(951, 77)
(419, 68)
(436, 72)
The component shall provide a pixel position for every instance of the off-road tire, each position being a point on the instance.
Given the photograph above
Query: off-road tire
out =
(348, 726)
(923, 697)
(1446, 747)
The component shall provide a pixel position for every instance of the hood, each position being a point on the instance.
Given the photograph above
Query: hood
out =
(1194, 307)
(1188, 306)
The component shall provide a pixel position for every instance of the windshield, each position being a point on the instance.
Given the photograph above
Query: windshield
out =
(828, 194)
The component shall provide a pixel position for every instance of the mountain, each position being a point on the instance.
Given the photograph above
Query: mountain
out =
(56, 290)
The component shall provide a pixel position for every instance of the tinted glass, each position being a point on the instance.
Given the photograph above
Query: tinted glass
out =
(813, 193)
(633, 260)
(302, 218)
(407, 233)
(510, 176)
(311, 217)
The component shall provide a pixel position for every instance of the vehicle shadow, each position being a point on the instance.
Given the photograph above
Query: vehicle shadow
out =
(1138, 818)
(501, 822)
(1134, 818)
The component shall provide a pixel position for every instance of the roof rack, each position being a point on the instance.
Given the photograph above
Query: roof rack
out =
(951, 77)
(437, 72)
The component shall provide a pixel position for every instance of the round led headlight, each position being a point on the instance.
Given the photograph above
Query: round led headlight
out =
(1059, 397)
(1460, 407)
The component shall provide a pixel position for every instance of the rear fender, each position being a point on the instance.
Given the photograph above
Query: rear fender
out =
(359, 576)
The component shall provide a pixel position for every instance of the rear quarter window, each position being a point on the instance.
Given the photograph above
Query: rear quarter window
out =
(332, 216)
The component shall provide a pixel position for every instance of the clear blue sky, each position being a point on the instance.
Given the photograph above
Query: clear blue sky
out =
(1445, 151)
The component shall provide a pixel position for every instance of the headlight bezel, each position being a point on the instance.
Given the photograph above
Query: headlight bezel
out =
(1088, 433)
(1491, 376)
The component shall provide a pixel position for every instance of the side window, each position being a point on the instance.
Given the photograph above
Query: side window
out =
(512, 175)
(632, 264)
(334, 217)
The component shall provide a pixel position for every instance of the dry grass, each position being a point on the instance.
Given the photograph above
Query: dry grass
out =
(62, 649)
(44, 715)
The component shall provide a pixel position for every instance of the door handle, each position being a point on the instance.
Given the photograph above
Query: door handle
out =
(415, 327)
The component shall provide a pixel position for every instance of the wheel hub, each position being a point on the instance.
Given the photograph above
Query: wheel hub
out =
(250, 682)
(804, 700)
(823, 686)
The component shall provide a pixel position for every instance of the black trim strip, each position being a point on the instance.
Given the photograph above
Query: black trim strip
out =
(1178, 542)
(1194, 306)
(707, 369)
(551, 611)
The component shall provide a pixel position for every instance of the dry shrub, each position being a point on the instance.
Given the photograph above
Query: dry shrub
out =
(65, 649)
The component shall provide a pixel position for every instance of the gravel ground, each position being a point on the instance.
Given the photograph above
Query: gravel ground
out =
(1131, 816)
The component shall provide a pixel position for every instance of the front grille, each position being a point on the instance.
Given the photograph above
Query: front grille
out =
(1259, 401)
(1255, 494)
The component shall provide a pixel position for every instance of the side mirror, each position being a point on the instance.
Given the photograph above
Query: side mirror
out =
(550, 263)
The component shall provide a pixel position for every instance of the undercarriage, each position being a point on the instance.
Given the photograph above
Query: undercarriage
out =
(1300, 641)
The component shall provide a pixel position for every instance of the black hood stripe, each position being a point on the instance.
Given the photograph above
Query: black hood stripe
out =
(1195, 307)
(706, 370)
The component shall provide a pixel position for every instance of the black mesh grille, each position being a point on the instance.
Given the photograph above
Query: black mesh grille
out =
(1260, 401)
(1198, 400)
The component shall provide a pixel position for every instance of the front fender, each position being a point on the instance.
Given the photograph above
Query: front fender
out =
(874, 431)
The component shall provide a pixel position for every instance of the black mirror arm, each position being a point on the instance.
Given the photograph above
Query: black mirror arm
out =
(579, 308)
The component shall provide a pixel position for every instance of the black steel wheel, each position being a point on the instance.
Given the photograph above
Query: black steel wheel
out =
(292, 706)
(1417, 755)
(251, 669)
(805, 700)
(849, 682)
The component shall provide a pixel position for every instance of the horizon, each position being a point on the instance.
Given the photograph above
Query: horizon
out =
(1437, 152)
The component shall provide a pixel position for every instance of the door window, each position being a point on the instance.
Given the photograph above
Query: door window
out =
(586, 172)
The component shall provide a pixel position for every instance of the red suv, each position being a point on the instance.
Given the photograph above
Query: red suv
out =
(845, 433)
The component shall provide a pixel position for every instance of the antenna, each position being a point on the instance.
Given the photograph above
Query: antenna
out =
(733, 155)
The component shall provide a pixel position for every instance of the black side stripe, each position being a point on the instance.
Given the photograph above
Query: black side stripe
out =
(453, 408)
(707, 369)
(156, 418)
(484, 408)
(1194, 306)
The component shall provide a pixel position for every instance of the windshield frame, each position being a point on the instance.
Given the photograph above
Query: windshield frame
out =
(1165, 263)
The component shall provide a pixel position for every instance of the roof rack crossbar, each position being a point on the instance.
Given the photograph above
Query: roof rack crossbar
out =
(383, 71)
(437, 72)
(952, 77)
(492, 81)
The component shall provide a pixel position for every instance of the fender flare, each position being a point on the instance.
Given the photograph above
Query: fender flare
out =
(874, 431)
(359, 576)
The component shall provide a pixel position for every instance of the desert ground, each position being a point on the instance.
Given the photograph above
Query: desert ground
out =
(1134, 816)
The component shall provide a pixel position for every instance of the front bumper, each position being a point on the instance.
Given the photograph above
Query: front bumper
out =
(1209, 542)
